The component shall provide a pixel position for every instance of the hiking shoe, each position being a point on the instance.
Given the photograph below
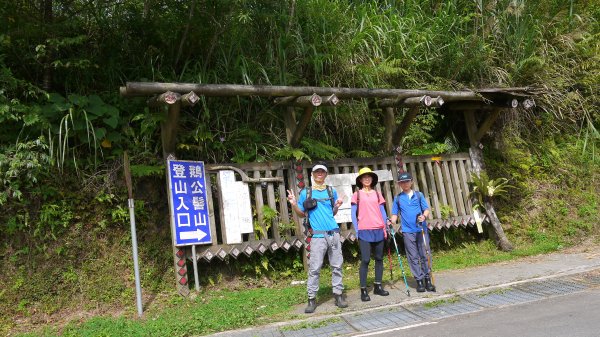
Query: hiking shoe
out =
(428, 285)
(378, 290)
(312, 305)
(339, 301)
(420, 286)
(364, 295)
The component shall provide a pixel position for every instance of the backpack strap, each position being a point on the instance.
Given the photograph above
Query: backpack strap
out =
(330, 193)
(357, 201)
(419, 197)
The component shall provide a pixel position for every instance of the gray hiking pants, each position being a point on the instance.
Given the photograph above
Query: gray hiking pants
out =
(331, 246)
(415, 254)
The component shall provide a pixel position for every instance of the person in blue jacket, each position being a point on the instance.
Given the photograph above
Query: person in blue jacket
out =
(412, 208)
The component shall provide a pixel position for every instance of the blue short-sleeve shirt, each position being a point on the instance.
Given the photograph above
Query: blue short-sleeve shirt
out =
(321, 217)
(408, 208)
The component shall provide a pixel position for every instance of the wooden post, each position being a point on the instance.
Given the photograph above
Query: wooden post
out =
(169, 129)
(302, 125)
(168, 137)
(389, 122)
(487, 123)
(403, 127)
(289, 119)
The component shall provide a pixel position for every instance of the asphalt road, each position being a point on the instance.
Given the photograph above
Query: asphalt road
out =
(575, 314)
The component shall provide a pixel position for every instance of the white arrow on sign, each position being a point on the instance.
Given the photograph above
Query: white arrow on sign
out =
(191, 235)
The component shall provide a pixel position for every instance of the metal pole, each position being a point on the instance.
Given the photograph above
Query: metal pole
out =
(195, 264)
(136, 268)
(131, 204)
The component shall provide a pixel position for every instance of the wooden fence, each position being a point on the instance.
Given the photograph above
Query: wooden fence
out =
(442, 179)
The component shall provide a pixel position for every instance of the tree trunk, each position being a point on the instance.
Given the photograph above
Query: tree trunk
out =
(498, 232)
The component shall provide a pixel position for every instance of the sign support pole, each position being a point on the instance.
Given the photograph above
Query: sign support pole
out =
(131, 204)
(195, 264)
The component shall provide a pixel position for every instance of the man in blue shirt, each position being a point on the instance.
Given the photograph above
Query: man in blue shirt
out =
(325, 236)
(413, 210)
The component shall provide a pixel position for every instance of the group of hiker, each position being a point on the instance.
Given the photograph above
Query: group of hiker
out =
(319, 204)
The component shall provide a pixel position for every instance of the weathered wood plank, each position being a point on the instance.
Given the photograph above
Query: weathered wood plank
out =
(284, 215)
(413, 172)
(439, 181)
(271, 200)
(421, 176)
(449, 187)
(465, 180)
(433, 189)
(259, 202)
(458, 190)
(292, 180)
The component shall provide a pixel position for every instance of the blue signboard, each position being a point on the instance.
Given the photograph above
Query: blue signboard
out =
(188, 202)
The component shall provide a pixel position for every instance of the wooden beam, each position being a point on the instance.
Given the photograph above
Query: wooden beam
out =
(487, 123)
(302, 125)
(404, 125)
(223, 90)
(482, 106)
(410, 101)
(304, 101)
(424, 100)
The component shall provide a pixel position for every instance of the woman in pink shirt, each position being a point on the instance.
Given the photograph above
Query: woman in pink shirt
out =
(368, 218)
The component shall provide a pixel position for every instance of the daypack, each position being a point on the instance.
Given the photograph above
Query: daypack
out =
(312, 203)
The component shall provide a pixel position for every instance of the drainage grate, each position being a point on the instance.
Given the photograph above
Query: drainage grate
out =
(444, 309)
(502, 297)
(593, 279)
(552, 287)
(332, 329)
(271, 332)
(382, 319)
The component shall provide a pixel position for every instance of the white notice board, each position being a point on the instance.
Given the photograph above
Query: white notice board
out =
(237, 211)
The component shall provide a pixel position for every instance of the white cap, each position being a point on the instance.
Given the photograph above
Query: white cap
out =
(319, 167)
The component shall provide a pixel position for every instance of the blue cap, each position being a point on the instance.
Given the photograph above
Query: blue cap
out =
(404, 176)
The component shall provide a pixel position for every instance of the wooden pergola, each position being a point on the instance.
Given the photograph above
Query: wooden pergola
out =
(480, 107)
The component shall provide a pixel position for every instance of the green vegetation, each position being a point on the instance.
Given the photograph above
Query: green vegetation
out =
(64, 232)
(312, 325)
(437, 303)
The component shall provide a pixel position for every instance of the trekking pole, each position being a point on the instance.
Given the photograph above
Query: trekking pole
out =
(391, 227)
(390, 260)
(427, 253)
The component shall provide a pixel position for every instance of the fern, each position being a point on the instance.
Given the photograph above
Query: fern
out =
(317, 149)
